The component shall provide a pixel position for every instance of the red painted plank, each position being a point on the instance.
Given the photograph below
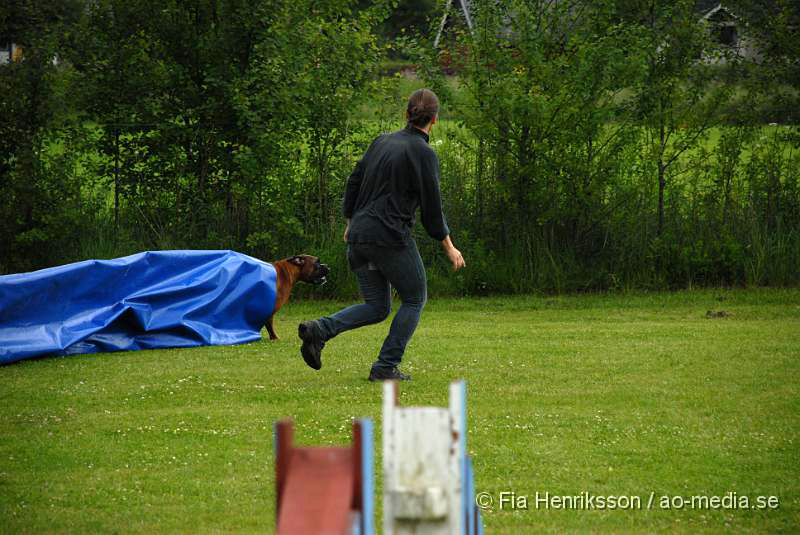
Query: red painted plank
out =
(283, 436)
(318, 492)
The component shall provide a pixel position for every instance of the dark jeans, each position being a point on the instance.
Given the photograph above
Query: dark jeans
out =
(378, 269)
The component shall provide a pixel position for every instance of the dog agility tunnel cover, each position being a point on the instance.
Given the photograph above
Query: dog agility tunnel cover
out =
(149, 300)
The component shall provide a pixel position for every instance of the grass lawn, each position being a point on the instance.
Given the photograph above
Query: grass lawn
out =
(633, 395)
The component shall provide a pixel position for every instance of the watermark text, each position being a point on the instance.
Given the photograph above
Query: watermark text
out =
(509, 500)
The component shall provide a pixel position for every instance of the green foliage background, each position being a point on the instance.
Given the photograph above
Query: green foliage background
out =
(585, 145)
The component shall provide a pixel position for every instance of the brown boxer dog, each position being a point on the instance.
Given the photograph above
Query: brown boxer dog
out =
(288, 271)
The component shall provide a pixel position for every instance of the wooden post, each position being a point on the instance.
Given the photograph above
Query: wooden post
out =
(458, 423)
(427, 477)
(363, 459)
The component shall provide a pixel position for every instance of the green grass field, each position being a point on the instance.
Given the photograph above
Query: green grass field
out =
(623, 395)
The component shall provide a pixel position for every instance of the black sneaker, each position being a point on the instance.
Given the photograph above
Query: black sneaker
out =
(387, 374)
(311, 335)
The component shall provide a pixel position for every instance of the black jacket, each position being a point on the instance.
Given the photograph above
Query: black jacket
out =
(398, 173)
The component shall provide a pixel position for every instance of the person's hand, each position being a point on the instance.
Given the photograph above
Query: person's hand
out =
(455, 258)
(453, 254)
(346, 230)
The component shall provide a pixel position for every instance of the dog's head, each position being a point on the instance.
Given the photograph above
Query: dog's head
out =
(311, 270)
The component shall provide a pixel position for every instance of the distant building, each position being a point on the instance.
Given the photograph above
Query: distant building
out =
(728, 30)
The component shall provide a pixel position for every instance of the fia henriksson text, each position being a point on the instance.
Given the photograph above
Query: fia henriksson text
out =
(588, 501)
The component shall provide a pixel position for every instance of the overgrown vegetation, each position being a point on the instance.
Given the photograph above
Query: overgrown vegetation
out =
(586, 146)
(591, 162)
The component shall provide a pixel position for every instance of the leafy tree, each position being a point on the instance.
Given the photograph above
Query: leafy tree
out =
(402, 17)
(542, 86)
(675, 98)
(203, 105)
(32, 197)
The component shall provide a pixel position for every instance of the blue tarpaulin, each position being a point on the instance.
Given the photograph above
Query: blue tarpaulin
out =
(148, 300)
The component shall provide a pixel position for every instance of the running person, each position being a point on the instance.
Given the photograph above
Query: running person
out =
(398, 174)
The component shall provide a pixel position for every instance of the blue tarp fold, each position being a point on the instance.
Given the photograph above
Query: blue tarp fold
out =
(148, 300)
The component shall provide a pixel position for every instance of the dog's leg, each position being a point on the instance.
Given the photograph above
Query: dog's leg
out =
(270, 328)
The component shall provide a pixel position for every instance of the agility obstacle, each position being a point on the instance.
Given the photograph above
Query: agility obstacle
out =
(428, 483)
(324, 491)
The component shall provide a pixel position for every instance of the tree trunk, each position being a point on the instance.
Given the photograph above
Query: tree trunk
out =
(662, 183)
(479, 180)
(116, 182)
